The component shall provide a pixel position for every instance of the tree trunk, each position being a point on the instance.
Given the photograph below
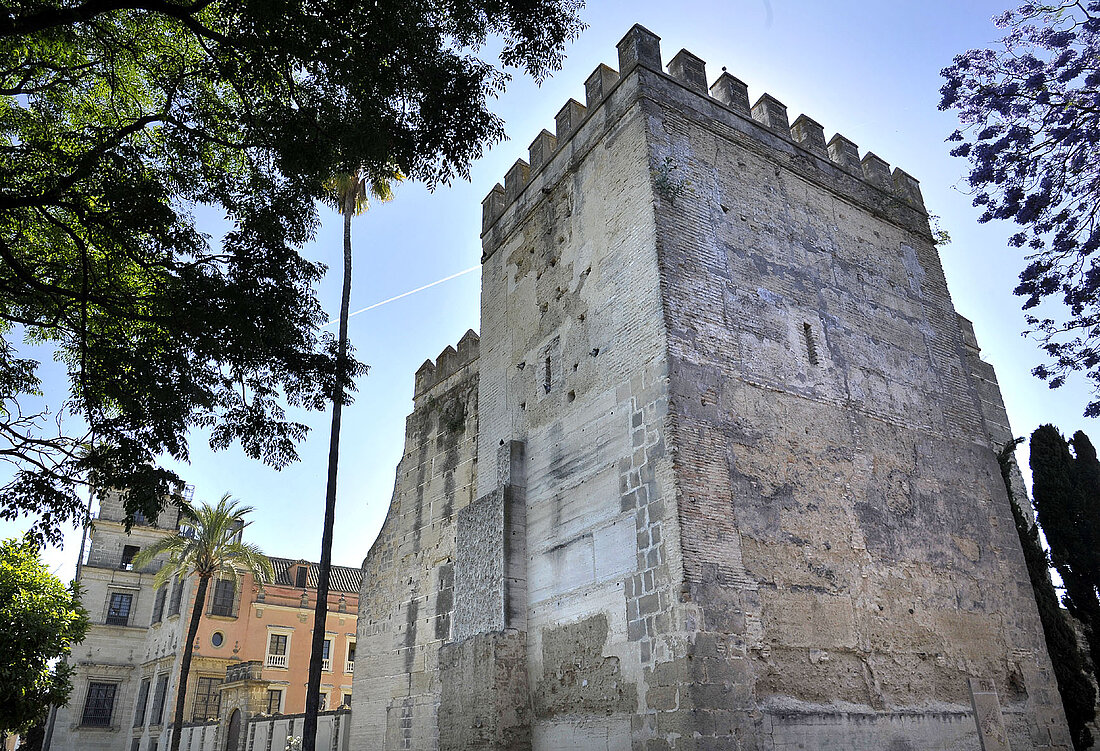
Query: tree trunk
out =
(185, 667)
(320, 612)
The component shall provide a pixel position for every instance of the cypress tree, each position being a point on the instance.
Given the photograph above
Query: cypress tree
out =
(1078, 694)
(1087, 468)
(1061, 510)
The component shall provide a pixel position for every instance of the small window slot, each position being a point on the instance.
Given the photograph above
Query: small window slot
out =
(811, 345)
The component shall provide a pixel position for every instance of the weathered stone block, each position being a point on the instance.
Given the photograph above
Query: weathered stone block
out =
(771, 113)
(690, 70)
(569, 119)
(640, 46)
(810, 135)
(599, 84)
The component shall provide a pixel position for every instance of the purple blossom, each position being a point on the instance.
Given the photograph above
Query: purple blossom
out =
(1030, 115)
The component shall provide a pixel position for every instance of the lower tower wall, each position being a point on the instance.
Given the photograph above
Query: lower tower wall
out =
(851, 565)
(407, 598)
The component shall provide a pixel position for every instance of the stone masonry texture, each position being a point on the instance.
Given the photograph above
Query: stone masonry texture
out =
(737, 485)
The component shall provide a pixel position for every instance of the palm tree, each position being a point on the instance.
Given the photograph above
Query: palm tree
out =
(350, 194)
(208, 547)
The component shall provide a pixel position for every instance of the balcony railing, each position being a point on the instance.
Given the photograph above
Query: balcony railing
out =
(276, 661)
(326, 665)
(349, 666)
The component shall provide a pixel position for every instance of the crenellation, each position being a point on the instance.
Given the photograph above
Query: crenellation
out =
(492, 206)
(845, 154)
(425, 377)
(689, 70)
(602, 80)
(515, 180)
(468, 346)
(809, 133)
(640, 46)
(877, 171)
(907, 186)
(772, 114)
(541, 149)
(569, 119)
(732, 92)
(446, 364)
(450, 361)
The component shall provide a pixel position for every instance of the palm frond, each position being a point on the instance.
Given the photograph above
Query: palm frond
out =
(209, 545)
(350, 192)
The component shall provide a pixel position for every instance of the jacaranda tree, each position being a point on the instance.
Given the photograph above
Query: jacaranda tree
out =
(1030, 110)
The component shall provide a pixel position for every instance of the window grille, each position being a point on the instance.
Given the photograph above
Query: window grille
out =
(100, 704)
(157, 716)
(177, 596)
(118, 608)
(142, 702)
(274, 700)
(207, 699)
(223, 597)
(276, 651)
(158, 604)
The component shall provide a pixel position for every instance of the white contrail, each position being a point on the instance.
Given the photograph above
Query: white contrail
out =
(410, 292)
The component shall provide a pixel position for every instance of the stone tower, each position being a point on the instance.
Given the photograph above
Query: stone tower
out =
(718, 473)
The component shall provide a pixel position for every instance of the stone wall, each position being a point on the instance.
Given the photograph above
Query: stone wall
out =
(850, 561)
(573, 366)
(407, 597)
(272, 733)
(736, 486)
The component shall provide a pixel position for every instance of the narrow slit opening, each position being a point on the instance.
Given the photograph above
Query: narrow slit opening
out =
(811, 345)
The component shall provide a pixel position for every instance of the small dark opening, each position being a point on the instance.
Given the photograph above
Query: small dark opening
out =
(546, 383)
(811, 346)
(128, 554)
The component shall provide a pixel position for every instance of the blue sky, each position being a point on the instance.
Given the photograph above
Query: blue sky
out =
(869, 70)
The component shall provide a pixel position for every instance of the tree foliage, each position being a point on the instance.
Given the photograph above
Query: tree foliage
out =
(39, 620)
(120, 122)
(1031, 115)
(207, 546)
(1077, 692)
(1066, 507)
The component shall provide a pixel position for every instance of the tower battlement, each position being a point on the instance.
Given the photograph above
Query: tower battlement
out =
(768, 116)
(450, 361)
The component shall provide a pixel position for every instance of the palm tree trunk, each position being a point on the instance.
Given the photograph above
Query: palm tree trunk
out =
(320, 612)
(185, 667)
